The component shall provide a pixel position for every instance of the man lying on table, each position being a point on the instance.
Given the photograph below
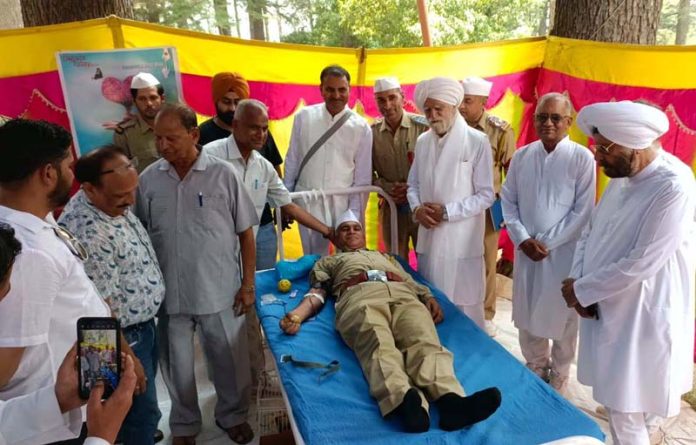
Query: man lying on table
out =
(387, 318)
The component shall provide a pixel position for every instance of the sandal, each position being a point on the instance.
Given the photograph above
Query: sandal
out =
(240, 434)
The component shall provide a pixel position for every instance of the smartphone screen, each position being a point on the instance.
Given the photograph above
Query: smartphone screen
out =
(99, 354)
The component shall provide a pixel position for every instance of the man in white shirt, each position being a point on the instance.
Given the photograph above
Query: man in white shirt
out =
(450, 186)
(50, 289)
(38, 417)
(261, 180)
(633, 270)
(547, 197)
(343, 160)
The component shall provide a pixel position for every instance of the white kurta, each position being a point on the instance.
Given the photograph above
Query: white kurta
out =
(456, 171)
(260, 178)
(548, 197)
(636, 259)
(344, 160)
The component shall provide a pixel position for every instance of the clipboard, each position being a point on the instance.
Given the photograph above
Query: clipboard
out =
(496, 214)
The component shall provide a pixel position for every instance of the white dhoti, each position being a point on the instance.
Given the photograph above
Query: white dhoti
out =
(462, 280)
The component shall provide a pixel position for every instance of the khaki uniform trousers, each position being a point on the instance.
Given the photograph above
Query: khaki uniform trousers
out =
(394, 338)
(490, 257)
(408, 230)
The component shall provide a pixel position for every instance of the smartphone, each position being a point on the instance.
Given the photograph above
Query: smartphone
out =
(98, 354)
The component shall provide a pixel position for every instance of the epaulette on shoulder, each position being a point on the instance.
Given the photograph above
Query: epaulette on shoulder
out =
(498, 122)
(417, 118)
(377, 122)
(123, 125)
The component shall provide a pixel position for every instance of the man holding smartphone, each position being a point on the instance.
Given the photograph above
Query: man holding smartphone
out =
(123, 265)
(50, 289)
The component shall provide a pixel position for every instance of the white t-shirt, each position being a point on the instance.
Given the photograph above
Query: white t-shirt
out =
(49, 292)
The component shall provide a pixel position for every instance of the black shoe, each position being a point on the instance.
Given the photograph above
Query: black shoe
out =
(413, 416)
(158, 436)
(457, 412)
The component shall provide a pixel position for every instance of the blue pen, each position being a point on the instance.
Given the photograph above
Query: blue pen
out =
(200, 199)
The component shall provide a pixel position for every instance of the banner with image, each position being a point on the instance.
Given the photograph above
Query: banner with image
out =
(96, 88)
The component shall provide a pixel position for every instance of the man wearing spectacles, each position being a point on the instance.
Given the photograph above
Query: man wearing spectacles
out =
(635, 262)
(123, 265)
(200, 219)
(50, 289)
(547, 199)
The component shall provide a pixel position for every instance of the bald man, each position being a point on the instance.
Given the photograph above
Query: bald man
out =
(123, 266)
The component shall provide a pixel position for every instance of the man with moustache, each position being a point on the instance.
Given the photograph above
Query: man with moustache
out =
(135, 135)
(633, 273)
(123, 266)
(330, 148)
(228, 90)
(50, 290)
(548, 196)
(450, 186)
(200, 219)
(502, 139)
(393, 144)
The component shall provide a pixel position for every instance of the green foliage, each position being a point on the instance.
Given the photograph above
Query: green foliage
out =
(463, 21)
(666, 33)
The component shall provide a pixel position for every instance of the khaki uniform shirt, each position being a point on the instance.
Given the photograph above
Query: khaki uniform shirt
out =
(392, 154)
(502, 139)
(332, 271)
(137, 138)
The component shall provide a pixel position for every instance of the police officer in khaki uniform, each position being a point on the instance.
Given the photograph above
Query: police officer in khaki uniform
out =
(135, 135)
(502, 139)
(388, 319)
(393, 144)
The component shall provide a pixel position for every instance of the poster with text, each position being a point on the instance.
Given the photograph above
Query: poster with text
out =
(96, 87)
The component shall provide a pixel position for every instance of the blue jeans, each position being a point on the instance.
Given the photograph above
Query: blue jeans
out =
(142, 419)
(266, 247)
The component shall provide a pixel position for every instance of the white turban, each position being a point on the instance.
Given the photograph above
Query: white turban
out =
(144, 80)
(629, 124)
(386, 84)
(444, 89)
(475, 86)
(348, 216)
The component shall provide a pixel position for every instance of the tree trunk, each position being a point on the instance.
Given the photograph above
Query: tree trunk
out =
(683, 21)
(543, 21)
(222, 17)
(626, 21)
(11, 17)
(236, 18)
(50, 12)
(256, 26)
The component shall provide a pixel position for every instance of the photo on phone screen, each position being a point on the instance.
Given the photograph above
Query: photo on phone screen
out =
(99, 354)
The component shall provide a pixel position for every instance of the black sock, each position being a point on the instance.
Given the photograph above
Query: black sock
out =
(457, 412)
(412, 414)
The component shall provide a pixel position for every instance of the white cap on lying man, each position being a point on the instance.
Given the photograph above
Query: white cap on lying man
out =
(444, 89)
(143, 80)
(630, 124)
(386, 84)
(476, 86)
(347, 216)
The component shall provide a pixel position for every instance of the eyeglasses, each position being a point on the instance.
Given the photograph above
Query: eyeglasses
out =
(604, 149)
(72, 243)
(543, 117)
(121, 169)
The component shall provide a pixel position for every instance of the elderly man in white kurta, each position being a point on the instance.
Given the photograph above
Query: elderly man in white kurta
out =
(330, 148)
(634, 268)
(450, 185)
(547, 199)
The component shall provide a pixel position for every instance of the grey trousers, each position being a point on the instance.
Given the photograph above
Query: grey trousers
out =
(224, 339)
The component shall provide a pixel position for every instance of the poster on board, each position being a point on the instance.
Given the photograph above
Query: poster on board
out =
(96, 87)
